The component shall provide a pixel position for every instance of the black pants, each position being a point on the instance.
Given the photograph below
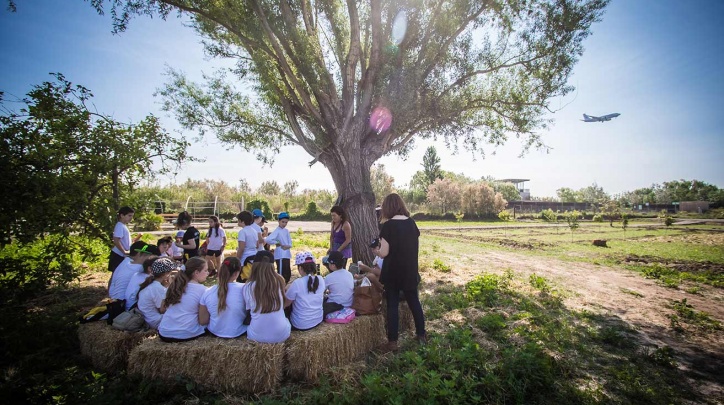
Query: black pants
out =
(114, 260)
(393, 312)
(284, 268)
(174, 340)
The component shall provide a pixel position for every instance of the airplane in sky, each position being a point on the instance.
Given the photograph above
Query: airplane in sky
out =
(591, 118)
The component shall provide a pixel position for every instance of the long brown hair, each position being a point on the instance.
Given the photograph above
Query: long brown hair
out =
(267, 287)
(393, 205)
(339, 211)
(179, 283)
(229, 267)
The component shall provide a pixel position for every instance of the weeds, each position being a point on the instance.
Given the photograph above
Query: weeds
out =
(685, 312)
(440, 266)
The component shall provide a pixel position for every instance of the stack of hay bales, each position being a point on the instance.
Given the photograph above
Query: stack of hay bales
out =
(108, 348)
(311, 353)
(229, 365)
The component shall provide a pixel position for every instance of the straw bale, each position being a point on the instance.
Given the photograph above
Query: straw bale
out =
(108, 348)
(227, 365)
(310, 353)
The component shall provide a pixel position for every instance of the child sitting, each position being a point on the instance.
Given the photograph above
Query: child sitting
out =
(222, 306)
(181, 321)
(372, 273)
(165, 247)
(264, 297)
(153, 291)
(136, 280)
(339, 282)
(306, 293)
(121, 277)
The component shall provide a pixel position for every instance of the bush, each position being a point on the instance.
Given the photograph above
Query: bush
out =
(312, 213)
(263, 205)
(147, 221)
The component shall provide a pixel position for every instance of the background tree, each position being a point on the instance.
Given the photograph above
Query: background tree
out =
(479, 199)
(507, 190)
(431, 165)
(593, 194)
(290, 188)
(382, 183)
(444, 196)
(268, 188)
(612, 210)
(68, 169)
(572, 221)
(348, 84)
(566, 194)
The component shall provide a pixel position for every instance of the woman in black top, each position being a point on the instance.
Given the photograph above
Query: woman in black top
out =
(191, 238)
(399, 245)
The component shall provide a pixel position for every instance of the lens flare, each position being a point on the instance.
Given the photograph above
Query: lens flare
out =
(399, 27)
(380, 119)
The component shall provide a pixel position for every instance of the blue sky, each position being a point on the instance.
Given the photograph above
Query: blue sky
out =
(659, 63)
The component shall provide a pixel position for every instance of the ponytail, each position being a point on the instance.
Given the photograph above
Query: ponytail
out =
(146, 283)
(310, 269)
(229, 267)
(179, 283)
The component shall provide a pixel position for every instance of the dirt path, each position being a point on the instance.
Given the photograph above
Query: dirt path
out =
(642, 303)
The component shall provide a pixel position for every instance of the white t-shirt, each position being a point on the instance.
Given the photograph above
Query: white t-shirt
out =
(257, 229)
(215, 242)
(307, 311)
(177, 251)
(282, 237)
(230, 322)
(133, 286)
(181, 320)
(121, 277)
(378, 262)
(248, 235)
(272, 327)
(149, 303)
(121, 231)
(340, 284)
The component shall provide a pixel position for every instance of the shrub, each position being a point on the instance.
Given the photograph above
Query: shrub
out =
(263, 205)
(440, 266)
(148, 221)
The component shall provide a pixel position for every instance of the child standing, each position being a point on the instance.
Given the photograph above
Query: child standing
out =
(153, 291)
(121, 238)
(306, 293)
(181, 320)
(258, 217)
(140, 251)
(222, 306)
(339, 282)
(216, 238)
(283, 241)
(190, 241)
(264, 297)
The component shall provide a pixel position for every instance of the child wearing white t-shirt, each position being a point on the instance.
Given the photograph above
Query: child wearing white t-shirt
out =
(121, 277)
(216, 238)
(339, 282)
(181, 321)
(153, 291)
(136, 281)
(222, 306)
(372, 273)
(264, 297)
(306, 294)
(283, 241)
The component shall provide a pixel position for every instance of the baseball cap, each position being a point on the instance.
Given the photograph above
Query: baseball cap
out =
(148, 249)
(163, 265)
(335, 257)
(303, 257)
(180, 234)
(283, 215)
(375, 243)
(257, 213)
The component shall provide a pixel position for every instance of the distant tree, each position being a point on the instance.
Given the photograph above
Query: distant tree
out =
(269, 188)
(431, 165)
(382, 183)
(479, 199)
(444, 196)
(572, 221)
(593, 194)
(598, 218)
(290, 188)
(244, 186)
(612, 210)
(505, 217)
(624, 224)
(691, 190)
(508, 190)
(566, 194)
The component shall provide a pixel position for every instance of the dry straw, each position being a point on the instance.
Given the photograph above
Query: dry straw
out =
(227, 365)
(311, 353)
(108, 348)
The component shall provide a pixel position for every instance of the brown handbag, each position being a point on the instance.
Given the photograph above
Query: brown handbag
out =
(367, 300)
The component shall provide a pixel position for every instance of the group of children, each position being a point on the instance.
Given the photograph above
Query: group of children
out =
(251, 296)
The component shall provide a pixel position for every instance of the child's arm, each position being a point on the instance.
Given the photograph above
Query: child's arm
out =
(117, 243)
(204, 315)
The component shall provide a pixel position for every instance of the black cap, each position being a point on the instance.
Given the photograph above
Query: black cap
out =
(260, 255)
(337, 258)
(375, 243)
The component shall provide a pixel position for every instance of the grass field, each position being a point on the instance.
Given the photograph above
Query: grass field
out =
(524, 315)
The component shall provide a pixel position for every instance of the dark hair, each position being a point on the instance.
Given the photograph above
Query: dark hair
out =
(125, 210)
(148, 263)
(165, 239)
(179, 283)
(393, 205)
(339, 211)
(216, 226)
(229, 267)
(139, 244)
(311, 269)
(184, 218)
(245, 217)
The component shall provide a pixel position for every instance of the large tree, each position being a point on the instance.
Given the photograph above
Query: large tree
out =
(431, 165)
(352, 81)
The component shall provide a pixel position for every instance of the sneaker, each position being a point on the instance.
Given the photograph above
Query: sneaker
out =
(389, 347)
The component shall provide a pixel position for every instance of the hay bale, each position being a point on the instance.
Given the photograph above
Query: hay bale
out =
(108, 348)
(227, 365)
(311, 353)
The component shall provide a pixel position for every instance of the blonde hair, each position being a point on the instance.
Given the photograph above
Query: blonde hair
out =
(178, 285)
(229, 267)
(267, 287)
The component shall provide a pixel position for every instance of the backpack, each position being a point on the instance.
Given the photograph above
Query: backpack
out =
(130, 321)
(115, 308)
(367, 299)
(344, 315)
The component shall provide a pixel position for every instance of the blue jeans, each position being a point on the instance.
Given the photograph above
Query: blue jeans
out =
(393, 312)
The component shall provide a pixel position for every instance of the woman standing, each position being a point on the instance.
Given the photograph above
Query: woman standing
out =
(340, 239)
(399, 245)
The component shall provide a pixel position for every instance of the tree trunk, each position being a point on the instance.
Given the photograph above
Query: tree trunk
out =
(351, 175)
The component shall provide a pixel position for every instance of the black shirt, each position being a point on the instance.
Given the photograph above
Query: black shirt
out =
(191, 233)
(400, 268)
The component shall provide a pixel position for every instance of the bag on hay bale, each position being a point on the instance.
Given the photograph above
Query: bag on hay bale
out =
(129, 321)
(115, 308)
(344, 315)
(367, 299)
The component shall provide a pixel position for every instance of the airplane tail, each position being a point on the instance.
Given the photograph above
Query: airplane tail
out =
(586, 117)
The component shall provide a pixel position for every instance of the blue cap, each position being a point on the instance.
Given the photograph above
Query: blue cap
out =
(283, 215)
(257, 213)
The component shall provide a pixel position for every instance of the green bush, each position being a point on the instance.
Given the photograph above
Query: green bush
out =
(312, 213)
(148, 221)
(440, 266)
(263, 205)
